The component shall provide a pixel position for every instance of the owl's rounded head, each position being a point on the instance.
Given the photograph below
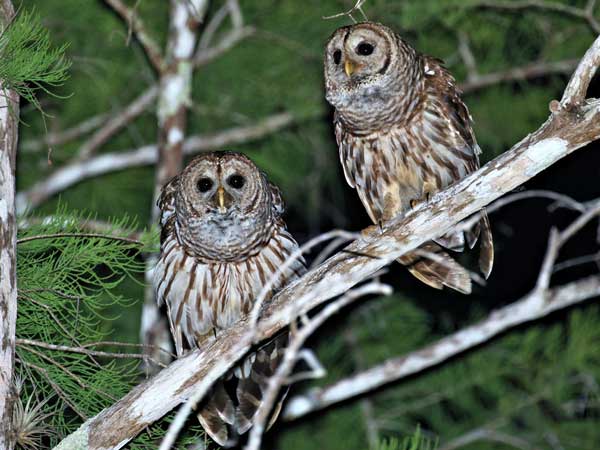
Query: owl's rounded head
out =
(362, 64)
(225, 206)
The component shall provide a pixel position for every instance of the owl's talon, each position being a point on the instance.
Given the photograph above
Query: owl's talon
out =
(371, 229)
(425, 199)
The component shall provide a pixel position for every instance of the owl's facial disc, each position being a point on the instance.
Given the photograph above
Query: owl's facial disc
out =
(357, 60)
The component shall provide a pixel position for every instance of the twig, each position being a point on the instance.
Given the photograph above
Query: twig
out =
(135, 23)
(84, 351)
(79, 235)
(577, 261)
(55, 387)
(556, 241)
(116, 123)
(290, 357)
(206, 55)
(487, 434)
(548, 6)
(76, 172)
(357, 7)
(464, 49)
(69, 372)
(62, 137)
(533, 70)
(296, 254)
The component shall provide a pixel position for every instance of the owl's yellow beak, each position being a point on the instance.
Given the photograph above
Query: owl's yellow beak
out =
(349, 67)
(221, 199)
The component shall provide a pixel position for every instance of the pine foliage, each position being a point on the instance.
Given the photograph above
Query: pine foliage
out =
(66, 282)
(29, 61)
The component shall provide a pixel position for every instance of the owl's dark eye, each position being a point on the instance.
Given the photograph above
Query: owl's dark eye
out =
(236, 181)
(337, 57)
(364, 49)
(204, 184)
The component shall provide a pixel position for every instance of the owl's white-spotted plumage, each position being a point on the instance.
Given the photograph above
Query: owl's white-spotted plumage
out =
(222, 240)
(403, 134)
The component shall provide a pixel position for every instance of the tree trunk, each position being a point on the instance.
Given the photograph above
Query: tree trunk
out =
(9, 112)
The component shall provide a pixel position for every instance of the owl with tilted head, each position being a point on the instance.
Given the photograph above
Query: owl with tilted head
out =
(403, 134)
(222, 240)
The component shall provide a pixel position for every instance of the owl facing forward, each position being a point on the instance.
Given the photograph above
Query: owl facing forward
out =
(222, 239)
(403, 134)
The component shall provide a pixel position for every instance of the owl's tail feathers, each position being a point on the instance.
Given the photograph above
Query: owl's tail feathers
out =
(229, 411)
(486, 246)
(217, 416)
(455, 240)
(437, 270)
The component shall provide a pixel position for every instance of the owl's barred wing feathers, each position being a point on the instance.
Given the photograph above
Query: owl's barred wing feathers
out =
(441, 85)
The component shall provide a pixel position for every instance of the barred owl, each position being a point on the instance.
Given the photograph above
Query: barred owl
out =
(222, 239)
(403, 134)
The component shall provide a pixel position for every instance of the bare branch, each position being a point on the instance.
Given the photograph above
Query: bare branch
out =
(79, 235)
(464, 49)
(9, 123)
(533, 70)
(135, 23)
(557, 240)
(82, 350)
(531, 307)
(116, 123)
(206, 55)
(547, 6)
(62, 137)
(578, 84)
(121, 118)
(76, 172)
(290, 357)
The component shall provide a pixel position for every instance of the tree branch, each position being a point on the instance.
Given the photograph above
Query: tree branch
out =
(116, 123)
(553, 7)
(9, 122)
(565, 131)
(77, 172)
(533, 306)
(136, 25)
(476, 81)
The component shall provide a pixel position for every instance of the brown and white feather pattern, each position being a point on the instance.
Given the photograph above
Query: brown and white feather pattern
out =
(403, 134)
(206, 296)
(222, 240)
